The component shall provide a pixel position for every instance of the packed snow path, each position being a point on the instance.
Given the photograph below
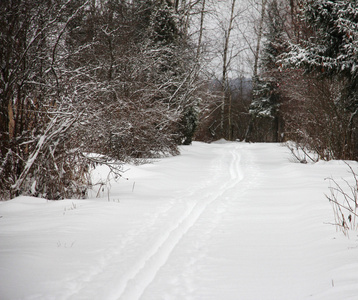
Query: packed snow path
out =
(222, 221)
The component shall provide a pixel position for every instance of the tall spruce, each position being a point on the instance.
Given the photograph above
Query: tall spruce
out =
(331, 52)
(265, 100)
(264, 109)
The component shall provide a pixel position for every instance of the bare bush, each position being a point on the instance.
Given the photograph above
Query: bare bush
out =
(301, 153)
(83, 77)
(344, 199)
(313, 116)
(211, 115)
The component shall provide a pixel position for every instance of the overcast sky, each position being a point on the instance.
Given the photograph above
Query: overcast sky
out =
(242, 38)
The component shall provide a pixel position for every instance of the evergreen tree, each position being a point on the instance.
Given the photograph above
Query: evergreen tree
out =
(266, 96)
(331, 51)
(265, 99)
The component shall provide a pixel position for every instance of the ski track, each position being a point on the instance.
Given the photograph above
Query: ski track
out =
(131, 283)
(229, 230)
(139, 278)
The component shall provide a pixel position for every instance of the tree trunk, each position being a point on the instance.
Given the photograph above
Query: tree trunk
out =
(225, 80)
(202, 14)
(259, 37)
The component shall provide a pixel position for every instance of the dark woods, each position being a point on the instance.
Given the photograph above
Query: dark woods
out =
(91, 82)
(307, 85)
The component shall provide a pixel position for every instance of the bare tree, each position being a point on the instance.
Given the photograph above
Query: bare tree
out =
(84, 77)
(31, 125)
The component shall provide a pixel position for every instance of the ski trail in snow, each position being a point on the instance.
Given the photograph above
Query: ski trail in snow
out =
(243, 174)
(223, 221)
(135, 282)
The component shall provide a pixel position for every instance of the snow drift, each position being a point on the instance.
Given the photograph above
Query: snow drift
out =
(220, 221)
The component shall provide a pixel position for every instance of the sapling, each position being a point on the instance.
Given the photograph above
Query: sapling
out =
(344, 199)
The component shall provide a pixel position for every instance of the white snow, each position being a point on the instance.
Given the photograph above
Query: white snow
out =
(221, 221)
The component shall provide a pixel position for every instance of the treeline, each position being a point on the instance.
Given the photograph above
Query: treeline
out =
(307, 87)
(88, 82)
(115, 78)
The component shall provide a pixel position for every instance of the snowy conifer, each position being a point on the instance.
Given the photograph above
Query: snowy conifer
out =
(329, 52)
(333, 46)
(265, 93)
(266, 96)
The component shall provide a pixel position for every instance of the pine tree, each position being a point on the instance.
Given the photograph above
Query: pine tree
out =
(331, 52)
(333, 47)
(266, 94)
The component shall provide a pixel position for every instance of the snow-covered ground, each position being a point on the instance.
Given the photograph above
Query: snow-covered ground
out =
(221, 221)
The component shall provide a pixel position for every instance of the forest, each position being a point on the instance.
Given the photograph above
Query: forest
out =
(92, 82)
